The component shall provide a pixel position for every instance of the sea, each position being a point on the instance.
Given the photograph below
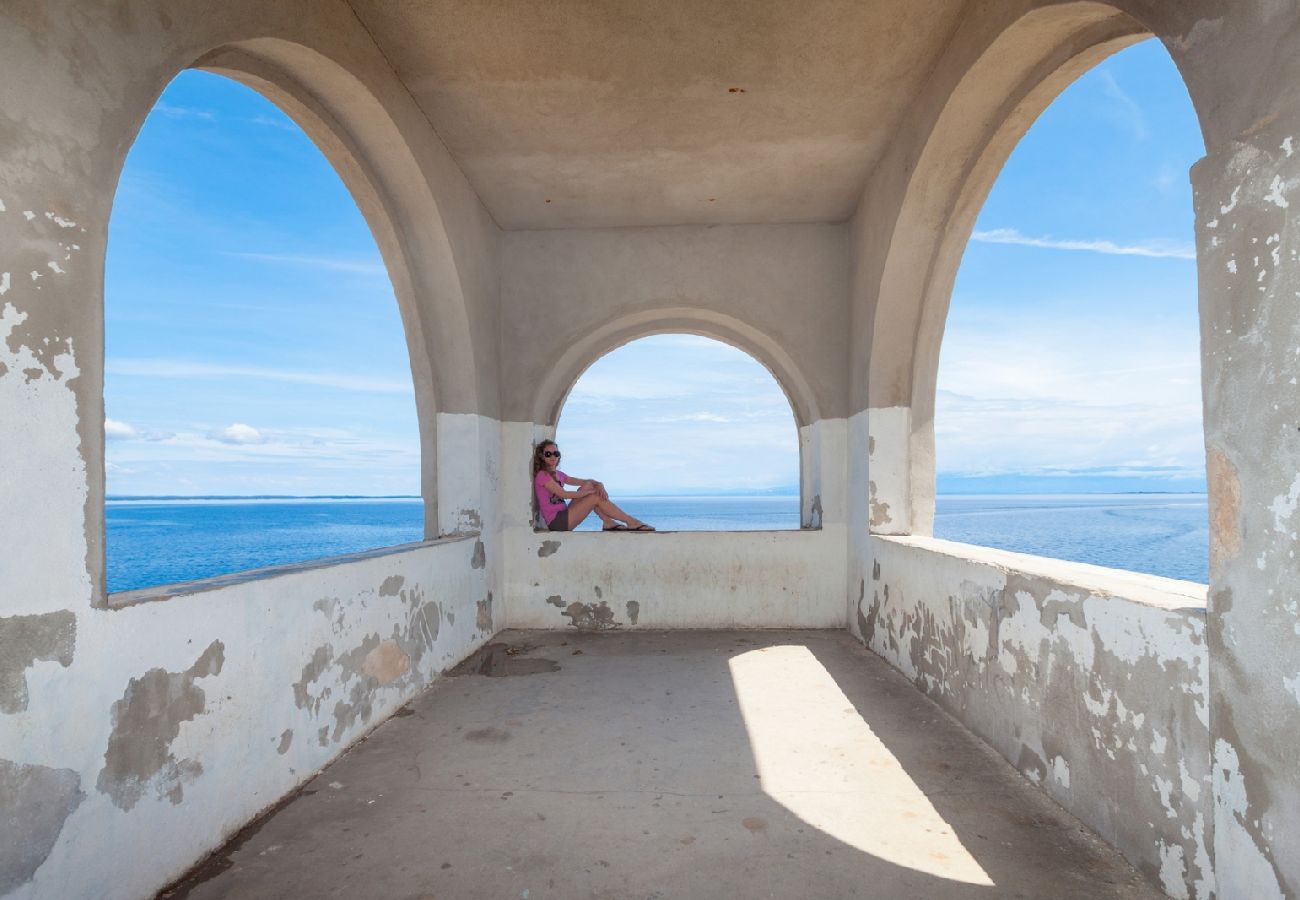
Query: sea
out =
(154, 541)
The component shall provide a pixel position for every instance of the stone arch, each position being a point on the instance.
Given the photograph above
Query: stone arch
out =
(564, 373)
(368, 150)
(1014, 78)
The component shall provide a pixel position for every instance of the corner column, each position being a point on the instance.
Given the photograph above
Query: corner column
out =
(1248, 231)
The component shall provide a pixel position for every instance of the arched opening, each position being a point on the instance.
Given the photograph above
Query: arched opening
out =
(1067, 416)
(688, 433)
(254, 349)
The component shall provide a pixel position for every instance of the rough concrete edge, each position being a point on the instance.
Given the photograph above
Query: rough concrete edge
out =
(1137, 587)
(125, 599)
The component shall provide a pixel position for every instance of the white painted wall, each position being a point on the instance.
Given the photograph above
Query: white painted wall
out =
(1093, 682)
(381, 628)
(726, 579)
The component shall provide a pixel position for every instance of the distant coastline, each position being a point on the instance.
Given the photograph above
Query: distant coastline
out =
(775, 492)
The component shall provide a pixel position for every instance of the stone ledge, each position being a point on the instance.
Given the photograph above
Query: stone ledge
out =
(1138, 587)
(123, 599)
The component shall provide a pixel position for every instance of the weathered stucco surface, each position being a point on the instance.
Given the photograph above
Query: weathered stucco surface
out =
(184, 718)
(595, 581)
(133, 730)
(1248, 227)
(1093, 683)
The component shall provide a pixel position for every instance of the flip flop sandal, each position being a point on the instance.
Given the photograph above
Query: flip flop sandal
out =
(642, 527)
(615, 528)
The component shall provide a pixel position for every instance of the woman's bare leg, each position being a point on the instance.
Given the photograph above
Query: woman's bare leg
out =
(608, 507)
(584, 506)
(581, 508)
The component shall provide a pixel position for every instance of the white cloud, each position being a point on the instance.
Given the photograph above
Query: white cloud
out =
(172, 368)
(1032, 392)
(1126, 109)
(327, 263)
(271, 122)
(119, 431)
(182, 112)
(239, 433)
(1159, 249)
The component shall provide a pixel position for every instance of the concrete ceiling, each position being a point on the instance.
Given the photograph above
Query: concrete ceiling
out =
(565, 113)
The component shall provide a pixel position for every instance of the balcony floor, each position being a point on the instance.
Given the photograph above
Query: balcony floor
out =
(670, 764)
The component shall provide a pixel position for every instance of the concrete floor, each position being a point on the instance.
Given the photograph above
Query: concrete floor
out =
(668, 765)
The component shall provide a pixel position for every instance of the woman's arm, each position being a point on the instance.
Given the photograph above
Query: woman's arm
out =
(588, 482)
(553, 486)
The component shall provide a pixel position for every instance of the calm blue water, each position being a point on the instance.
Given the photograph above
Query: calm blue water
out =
(1160, 534)
(151, 542)
(154, 542)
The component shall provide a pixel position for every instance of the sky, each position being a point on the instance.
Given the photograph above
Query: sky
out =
(254, 346)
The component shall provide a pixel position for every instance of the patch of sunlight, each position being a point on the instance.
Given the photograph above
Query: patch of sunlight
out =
(819, 759)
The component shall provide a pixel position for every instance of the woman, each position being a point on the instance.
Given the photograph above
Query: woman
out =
(590, 496)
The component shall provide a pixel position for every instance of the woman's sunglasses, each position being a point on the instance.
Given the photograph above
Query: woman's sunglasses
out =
(551, 453)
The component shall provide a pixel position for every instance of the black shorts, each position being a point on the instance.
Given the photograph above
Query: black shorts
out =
(560, 522)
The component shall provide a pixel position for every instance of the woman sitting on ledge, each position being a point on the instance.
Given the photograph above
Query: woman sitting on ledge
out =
(590, 495)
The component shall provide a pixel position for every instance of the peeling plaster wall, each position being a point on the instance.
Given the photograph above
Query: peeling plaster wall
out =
(1248, 230)
(592, 581)
(177, 721)
(735, 579)
(1094, 683)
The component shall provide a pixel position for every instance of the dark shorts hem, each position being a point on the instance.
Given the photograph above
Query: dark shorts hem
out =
(560, 522)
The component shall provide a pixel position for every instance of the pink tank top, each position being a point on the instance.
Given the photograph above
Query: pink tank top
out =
(547, 502)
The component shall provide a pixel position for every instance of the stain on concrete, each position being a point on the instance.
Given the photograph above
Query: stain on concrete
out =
(548, 548)
(358, 707)
(633, 611)
(36, 800)
(326, 605)
(599, 592)
(23, 641)
(815, 512)
(755, 824)
(386, 663)
(479, 560)
(1224, 488)
(323, 736)
(556, 600)
(879, 511)
(591, 616)
(319, 662)
(145, 722)
(484, 614)
(489, 735)
(497, 660)
(875, 570)
(391, 586)
(469, 520)
(285, 740)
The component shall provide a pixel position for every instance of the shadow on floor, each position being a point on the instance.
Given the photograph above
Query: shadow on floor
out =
(666, 765)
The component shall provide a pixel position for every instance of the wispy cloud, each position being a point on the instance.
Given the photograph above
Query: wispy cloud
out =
(119, 431)
(1159, 249)
(1126, 109)
(171, 368)
(183, 112)
(272, 122)
(327, 263)
(238, 433)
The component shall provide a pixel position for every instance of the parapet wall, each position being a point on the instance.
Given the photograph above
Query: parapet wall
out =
(143, 737)
(729, 579)
(1092, 682)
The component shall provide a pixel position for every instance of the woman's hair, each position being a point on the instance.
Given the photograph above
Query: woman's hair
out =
(539, 461)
